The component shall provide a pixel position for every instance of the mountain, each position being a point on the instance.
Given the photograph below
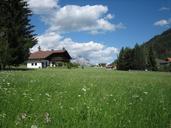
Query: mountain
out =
(161, 44)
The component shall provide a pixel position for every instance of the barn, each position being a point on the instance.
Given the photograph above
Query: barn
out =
(43, 59)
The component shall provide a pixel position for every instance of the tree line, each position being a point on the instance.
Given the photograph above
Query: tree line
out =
(137, 58)
(16, 32)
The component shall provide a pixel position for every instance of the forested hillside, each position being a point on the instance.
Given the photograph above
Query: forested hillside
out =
(161, 44)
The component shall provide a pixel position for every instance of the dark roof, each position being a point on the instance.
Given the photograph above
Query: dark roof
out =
(44, 54)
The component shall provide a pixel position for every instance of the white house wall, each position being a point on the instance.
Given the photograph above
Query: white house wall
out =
(37, 64)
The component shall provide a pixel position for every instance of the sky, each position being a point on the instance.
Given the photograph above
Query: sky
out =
(97, 29)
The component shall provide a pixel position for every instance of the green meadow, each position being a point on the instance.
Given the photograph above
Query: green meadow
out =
(84, 98)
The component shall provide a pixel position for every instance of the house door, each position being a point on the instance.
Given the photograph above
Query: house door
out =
(42, 65)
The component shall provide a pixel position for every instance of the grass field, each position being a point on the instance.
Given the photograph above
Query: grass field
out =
(84, 98)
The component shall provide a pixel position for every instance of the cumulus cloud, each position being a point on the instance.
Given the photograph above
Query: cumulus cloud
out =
(93, 19)
(82, 18)
(42, 6)
(93, 51)
(163, 22)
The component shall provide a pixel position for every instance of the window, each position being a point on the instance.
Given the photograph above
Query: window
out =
(36, 64)
(32, 64)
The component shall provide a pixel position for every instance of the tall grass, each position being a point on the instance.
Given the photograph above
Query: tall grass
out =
(89, 98)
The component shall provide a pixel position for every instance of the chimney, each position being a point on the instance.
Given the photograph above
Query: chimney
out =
(63, 49)
(39, 48)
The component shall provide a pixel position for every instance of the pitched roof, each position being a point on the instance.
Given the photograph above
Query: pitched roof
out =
(44, 54)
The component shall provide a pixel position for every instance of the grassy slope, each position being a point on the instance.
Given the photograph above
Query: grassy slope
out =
(86, 98)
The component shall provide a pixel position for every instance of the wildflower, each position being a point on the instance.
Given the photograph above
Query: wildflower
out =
(145, 93)
(47, 94)
(83, 89)
(34, 126)
(23, 116)
(31, 99)
(47, 118)
(3, 115)
(135, 96)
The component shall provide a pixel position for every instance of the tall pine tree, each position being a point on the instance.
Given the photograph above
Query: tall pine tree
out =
(139, 62)
(19, 32)
(125, 59)
(120, 60)
(151, 62)
(4, 46)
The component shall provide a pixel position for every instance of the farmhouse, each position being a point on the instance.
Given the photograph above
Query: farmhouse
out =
(43, 59)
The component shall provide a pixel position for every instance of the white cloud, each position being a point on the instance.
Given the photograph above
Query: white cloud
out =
(81, 18)
(108, 16)
(164, 8)
(93, 51)
(42, 6)
(92, 19)
(163, 22)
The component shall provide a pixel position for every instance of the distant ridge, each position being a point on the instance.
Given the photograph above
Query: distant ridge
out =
(161, 44)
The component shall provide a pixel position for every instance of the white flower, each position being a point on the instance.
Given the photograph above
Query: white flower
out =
(47, 118)
(83, 89)
(135, 96)
(3, 115)
(34, 126)
(31, 99)
(23, 116)
(47, 94)
(145, 93)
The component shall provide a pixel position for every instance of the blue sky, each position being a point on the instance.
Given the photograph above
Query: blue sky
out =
(120, 23)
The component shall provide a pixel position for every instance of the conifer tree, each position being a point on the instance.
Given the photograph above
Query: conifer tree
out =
(120, 60)
(4, 47)
(128, 59)
(138, 58)
(151, 62)
(19, 31)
